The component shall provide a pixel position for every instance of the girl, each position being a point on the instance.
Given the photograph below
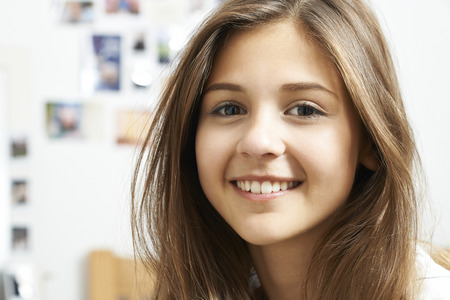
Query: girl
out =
(280, 162)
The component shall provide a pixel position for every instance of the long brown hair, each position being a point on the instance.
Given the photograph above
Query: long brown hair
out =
(368, 252)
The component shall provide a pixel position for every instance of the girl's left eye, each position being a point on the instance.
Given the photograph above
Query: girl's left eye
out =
(304, 110)
(229, 110)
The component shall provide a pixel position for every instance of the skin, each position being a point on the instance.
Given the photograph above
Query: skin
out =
(276, 109)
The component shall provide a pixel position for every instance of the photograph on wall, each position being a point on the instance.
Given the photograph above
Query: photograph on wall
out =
(20, 239)
(122, 7)
(142, 65)
(74, 120)
(107, 54)
(19, 145)
(77, 12)
(139, 42)
(169, 41)
(72, 12)
(19, 192)
(64, 120)
(163, 48)
(132, 126)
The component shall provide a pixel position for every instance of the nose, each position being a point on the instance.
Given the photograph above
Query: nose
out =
(262, 138)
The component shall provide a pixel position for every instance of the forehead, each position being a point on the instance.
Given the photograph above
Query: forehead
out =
(280, 48)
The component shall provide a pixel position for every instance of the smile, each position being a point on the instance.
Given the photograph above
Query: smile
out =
(265, 187)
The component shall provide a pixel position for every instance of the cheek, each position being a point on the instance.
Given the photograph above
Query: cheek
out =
(330, 158)
(212, 152)
(202, 148)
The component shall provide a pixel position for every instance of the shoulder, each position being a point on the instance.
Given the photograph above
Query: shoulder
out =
(434, 279)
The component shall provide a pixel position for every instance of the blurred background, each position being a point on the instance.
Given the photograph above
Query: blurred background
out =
(78, 80)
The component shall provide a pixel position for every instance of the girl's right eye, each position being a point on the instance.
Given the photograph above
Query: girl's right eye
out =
(228, 109)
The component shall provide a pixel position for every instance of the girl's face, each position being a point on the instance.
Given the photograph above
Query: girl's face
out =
(278, 140)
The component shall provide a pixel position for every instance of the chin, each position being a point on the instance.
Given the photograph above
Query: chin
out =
(264, 237)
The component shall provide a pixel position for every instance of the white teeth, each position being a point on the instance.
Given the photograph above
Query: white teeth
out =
(256, 187)
(276, 187)
(266, 187)
(247, 186)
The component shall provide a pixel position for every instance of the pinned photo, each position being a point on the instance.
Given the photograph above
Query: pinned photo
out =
(143, 69)
(19, 146)
(64, 120)
(132, 126)
(164, 51)
(170, 40)
(78, 12)
(19, 192)
(74, 121)
(139, 43)
(20, 239)
(122, 6)
(100, 67)
(107, 51)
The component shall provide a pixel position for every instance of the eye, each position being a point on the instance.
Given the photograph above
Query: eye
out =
(304, 110)
(229, 109)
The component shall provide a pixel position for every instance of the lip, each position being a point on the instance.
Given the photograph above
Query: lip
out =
(264, 178)
(259, 197)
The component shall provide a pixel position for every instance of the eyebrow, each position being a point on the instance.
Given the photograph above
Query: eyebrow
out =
(224, 86)
(289, 87)
(300, 86)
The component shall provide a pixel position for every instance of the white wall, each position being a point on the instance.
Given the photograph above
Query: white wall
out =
(420, 37)
(79, 191)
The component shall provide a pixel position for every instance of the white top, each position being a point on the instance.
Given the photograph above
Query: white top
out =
(435, 278)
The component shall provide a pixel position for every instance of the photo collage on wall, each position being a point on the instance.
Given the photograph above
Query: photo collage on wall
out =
(126, 45)
(19, 246)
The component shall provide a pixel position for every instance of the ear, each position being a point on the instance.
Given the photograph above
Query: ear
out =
(367, 156)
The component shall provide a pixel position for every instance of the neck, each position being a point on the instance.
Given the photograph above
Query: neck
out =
(282, 268)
